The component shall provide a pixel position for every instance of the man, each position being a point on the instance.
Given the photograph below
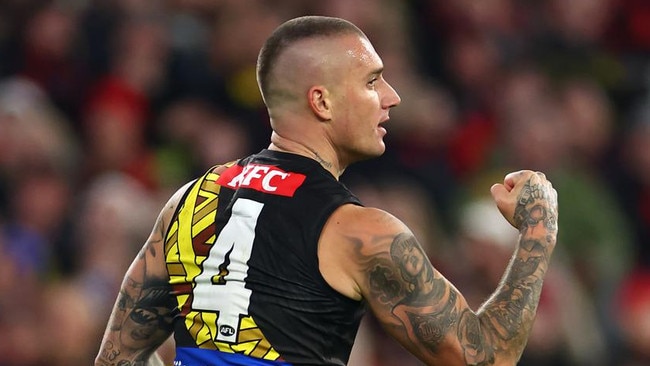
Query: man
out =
(269, 260)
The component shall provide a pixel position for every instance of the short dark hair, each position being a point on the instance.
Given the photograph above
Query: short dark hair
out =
(294, 30)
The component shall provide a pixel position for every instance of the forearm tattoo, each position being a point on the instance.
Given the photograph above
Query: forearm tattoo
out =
(427, 309)
(142, 319)
(510, 312)
(534, 205)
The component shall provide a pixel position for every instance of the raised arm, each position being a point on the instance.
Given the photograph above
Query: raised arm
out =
(424, 311)
(142, 316)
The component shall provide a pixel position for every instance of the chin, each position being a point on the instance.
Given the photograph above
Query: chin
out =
(379, 150)
(367, 153)
(373, 154)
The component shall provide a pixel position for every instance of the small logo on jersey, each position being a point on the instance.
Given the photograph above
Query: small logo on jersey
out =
(226, 330)
(263, 178)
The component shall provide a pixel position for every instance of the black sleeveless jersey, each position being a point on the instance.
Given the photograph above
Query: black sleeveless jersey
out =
(241, 253)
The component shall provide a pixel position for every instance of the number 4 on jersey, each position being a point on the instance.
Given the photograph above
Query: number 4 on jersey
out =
(221, 285)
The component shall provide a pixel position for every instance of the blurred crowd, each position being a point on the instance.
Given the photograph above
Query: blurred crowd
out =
(109, 106)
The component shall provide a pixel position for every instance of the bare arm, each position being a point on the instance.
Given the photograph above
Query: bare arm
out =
(423, 310)
(143, 313)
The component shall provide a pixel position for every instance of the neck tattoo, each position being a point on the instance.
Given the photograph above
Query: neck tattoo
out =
(322, 161)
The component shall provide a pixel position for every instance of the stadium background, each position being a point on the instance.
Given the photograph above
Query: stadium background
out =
(106, 107)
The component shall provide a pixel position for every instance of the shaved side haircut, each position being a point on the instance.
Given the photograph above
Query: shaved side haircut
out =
(294, 30)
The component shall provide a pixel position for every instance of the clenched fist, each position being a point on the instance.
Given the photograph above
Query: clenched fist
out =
(527, 200)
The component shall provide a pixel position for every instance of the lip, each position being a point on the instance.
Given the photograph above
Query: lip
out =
(381, 128)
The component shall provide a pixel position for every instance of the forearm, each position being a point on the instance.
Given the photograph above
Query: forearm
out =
(111, 354)
(141, 319)
(507, 317)
(135, 329)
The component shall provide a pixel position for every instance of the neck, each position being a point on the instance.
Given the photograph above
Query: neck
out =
(279, 143)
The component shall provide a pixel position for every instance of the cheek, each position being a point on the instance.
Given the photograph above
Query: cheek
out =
(366, 111)
(363, 99)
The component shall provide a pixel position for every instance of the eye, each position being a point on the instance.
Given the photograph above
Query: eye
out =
(372, 82)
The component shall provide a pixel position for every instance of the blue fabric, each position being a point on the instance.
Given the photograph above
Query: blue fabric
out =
(204, 357)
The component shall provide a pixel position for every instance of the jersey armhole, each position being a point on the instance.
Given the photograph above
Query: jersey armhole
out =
(327, 217)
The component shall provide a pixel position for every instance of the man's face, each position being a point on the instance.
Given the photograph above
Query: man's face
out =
(412, 260)
(361, 100)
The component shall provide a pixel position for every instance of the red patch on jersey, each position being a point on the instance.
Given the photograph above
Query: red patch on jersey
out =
(264, 178)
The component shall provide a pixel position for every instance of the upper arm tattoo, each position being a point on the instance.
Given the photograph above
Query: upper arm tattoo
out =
(414, 293)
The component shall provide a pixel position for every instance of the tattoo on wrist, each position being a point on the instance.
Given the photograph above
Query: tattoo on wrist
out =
(535, 205)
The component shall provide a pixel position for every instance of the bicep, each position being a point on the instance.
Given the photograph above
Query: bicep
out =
(412, 300)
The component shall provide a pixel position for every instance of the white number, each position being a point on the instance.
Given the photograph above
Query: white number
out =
(221, 285)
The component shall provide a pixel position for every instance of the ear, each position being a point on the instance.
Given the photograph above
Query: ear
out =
(320, 103)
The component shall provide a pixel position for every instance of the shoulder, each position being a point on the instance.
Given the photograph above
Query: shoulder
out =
(353, 220)
(352, 237)
(168, 211)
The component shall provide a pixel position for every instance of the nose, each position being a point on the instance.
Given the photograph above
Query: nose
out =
(391, 99)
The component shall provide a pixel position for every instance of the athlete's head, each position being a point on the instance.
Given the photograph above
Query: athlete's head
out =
(325, 69)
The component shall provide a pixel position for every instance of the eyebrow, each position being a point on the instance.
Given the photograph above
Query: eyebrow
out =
(376, 72)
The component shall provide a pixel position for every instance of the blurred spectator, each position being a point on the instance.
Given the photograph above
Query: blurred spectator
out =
(66, 306)
(195, 136)
(34, 231)
(50, 56)
(115, 134)
(19, 320)
(223, 72)
(630, 31)
(591, 124)
(113, 220)
(571, 41)
(581, 21)
(633, 179)
(117, 114)
(633, 316)
(537, 134)
(34, 132)
(39, 153)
